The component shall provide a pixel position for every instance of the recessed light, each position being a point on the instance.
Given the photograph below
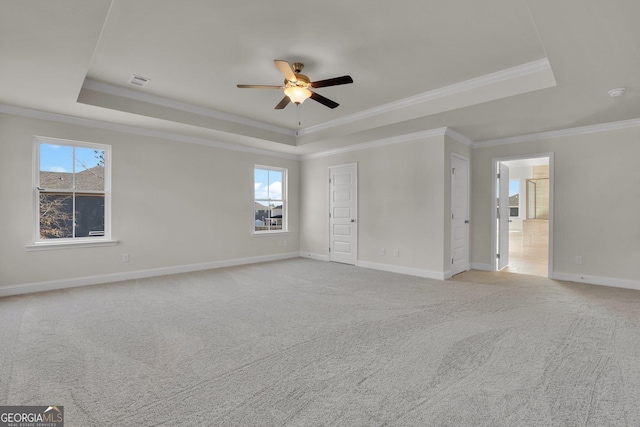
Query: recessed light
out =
(617, 92)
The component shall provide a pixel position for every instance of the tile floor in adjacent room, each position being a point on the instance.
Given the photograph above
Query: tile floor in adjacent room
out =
(529, 249)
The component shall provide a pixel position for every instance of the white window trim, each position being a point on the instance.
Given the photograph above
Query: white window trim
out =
(76, 242)
(268, 232)
(285, 202)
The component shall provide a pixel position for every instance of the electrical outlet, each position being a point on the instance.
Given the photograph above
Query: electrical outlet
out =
(383, 251)
(579, 259)
(125, 258)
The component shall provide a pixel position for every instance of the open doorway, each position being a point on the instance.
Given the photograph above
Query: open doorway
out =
(524, 215)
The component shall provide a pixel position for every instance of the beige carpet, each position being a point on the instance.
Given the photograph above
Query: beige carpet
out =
(307, 343)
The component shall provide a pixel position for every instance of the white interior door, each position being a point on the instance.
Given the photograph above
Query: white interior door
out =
(459, 215)
(343, 207)
(503, 216)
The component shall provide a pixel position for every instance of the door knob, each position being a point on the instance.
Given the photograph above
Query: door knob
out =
(353, 220)
(466, 221)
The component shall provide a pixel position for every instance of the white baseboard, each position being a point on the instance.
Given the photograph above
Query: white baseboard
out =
(579, 278)
(403, 270)
(317, 257)
(26, 288)
(481, 266)
(596, 280)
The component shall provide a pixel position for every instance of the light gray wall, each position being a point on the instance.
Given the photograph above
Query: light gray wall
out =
(173, 204)
(596, 202)
(178, 204)
(401, 194)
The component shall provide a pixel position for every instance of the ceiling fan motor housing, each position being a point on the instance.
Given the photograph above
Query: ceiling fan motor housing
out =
(301, 80)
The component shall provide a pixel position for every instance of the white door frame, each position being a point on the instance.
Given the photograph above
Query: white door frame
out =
(503, 214)
(355, 213)
(494, 217)
(461, 157)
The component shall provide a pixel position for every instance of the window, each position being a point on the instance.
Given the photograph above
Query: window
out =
(514, 197)
(72, 191)
(270, 199)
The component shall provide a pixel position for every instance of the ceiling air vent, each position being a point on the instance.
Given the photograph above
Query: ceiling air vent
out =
(138, 80)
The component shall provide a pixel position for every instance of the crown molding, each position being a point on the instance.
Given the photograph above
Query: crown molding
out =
(60, 118)
(454, 89)
(459, 137)
(582, 130)
(182, 106)
(447, 91)
(378, 143)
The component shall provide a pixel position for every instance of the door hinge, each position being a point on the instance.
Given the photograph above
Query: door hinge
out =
(453, 171)
(329, 214)
(498, 256)
(451, 260)
(329, 180)
(498, 176)
(452, 216)
(329, 249)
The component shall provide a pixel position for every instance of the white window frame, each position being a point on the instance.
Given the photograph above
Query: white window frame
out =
(43, 244)
(285, 201)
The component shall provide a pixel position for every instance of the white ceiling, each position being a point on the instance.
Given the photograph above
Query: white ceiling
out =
(488, 70)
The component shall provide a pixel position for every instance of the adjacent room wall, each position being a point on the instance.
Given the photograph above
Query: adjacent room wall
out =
(173, 204)
(596, 204)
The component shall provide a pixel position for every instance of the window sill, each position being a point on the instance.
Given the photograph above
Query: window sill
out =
(269, 233)
(46, 246)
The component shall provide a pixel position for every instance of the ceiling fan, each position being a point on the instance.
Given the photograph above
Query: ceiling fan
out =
(297, 87)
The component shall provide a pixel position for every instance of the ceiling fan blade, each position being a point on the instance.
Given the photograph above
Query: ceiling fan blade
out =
(286, 70)
(285, 101)
(333, 82)
(259, 87)
(324, 101)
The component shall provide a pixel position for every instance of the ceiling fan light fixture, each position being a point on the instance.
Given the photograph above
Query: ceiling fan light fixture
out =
(297, 94)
